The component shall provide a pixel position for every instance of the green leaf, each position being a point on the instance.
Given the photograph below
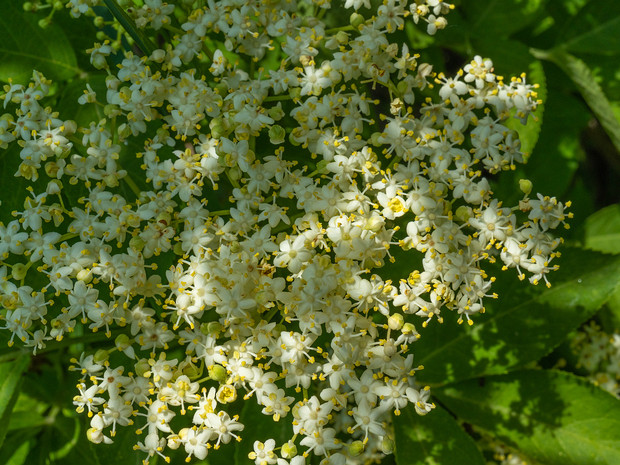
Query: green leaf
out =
(259, 427)
(433, 439)
(594, 29)
(551, 417)
(524, 324)
(25, 46)
(10, 378)
(592, 93)
(602, 230)
(500, 18)
(602, 233)
(528, 133)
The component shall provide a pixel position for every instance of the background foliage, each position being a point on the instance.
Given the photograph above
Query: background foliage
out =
(496, 379)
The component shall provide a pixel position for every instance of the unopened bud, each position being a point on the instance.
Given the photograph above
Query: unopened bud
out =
(142, 367)
(122, 342)
(387, 445)
(85, 275)
(396, 321)
(342, 37)
(463, 213)
(408, 328)
(356, 448)
(526, 186)
(277, 134)
(276, 113)
(53, 187)
(101, 356)
(19, 271)
(356, 20)
(137, 243)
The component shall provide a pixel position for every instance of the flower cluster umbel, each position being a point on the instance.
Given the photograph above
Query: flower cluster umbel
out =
(243, 262)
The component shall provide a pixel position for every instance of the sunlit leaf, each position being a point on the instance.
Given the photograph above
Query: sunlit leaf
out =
(552, 417)
(525, 323)
(10, 379)
(433, 439)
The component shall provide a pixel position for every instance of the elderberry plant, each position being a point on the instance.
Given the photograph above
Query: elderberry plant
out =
(289, 168)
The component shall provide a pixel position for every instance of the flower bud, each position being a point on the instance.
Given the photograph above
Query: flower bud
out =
(356, 20)
(218, 373)
(122, 342)
(276, 113)
(408, 328)
(99, 21)
(143, 368)
(137, 243)
(463, 213)
(44, 23)
(277, 134)
(19, 271)
(396, 321)
(53, 187)
(387, 445)
(101, 356)
(85, 275)
(526, 186)
(356, 448)
(342, 37)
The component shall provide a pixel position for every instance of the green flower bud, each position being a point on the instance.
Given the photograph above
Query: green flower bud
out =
(85, 275)
(99, 21)
(101, 356)
(44, 23)
(356, 20)
(177, 248)
(137, 243)
(122, 342)
(396, 321)
(192, 371)
(463, 213)
(356, 448)
(342, 37)
(277, 134)
(19, 271)
(387, 445)
(143, 368)
(218, 373)
(276, 113)
(526, 186)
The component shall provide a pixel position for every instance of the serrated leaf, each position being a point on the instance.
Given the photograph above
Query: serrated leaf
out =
(594, 29)
(555, 418)
(26, 46)
(433, 439)
(524, 324)
(10, 378)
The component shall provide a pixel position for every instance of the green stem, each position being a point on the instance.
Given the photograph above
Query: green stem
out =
(123, 18)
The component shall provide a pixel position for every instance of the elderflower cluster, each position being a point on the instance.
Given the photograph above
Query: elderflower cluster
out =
(245, 260)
